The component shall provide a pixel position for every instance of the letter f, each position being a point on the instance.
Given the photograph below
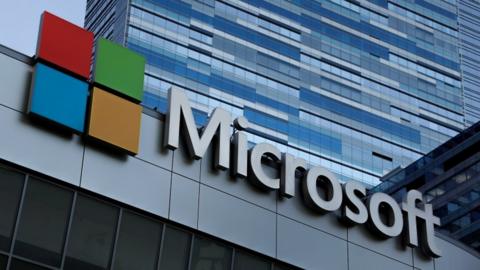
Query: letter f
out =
(427, 222)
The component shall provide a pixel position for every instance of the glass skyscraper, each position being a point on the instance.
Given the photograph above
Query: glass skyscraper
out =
(449, 178)
(359, 87)
(469, 36)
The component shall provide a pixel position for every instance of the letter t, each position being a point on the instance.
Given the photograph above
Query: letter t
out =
(427, 222)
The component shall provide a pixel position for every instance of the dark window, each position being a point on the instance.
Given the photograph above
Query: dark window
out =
(138, 243)
(91, 236)
(11, 185)
(95, 237)
(43, 222)
(385, 157)
(281, 267)
(175, 249)
(21, 265)
(209, 255)
(245, 261)
(3, 262)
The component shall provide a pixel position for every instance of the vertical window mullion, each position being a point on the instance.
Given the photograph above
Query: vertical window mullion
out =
(17, 220)
(96, 221)
(67, 236)
(160, 250)
(232, 263)
(190, 255)
(117, 232)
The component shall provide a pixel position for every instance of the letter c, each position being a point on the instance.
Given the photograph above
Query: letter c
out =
(259, 178)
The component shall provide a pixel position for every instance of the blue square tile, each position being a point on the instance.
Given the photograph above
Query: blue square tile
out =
(58, 97)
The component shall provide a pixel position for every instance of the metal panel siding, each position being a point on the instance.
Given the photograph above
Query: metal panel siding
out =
(295, 208)
(151, 143)
(238, 187)
(184, 164)
(39, 148)
(128, 180)
(393, 248)
(237, 221)
(309, 248)
(421, 261)
(454, 257)
(362, 258)
(184, 201)
(15, 77)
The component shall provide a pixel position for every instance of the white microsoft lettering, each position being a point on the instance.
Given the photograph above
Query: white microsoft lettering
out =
(321, 190)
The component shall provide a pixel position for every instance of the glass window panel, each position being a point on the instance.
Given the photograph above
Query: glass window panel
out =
(3, 262)
(209, 255)
(281, 267)
(43, 222)
(91, 236)
(21, 265)
(175, 249)
(11, 184)
(245, 261)
(138, 243)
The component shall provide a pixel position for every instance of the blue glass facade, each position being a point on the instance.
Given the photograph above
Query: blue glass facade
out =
(360, 88)
(469, 36)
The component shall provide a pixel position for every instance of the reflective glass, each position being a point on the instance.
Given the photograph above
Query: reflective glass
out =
(43, 225)
(210, 255)
(43, 222)
(245, 261)
(21, 265)
(11, 184)
(138, 243)
(3, 262)
(275, 82)
(175, 249)
(281, 267)
(91, 236)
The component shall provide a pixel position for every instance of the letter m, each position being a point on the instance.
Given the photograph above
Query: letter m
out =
(179, 116)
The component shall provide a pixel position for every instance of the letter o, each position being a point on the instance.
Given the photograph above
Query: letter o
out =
(379, 226)
(334, 194)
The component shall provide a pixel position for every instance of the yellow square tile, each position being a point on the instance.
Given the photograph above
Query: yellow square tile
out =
(114, 120)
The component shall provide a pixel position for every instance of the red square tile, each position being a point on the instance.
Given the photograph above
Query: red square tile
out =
(65, 45)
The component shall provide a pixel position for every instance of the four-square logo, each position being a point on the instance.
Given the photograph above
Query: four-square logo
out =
(105, 108)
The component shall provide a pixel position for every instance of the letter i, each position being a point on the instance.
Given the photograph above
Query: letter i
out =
(240, 152)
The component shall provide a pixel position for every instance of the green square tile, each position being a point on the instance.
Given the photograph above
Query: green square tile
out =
(119, 69)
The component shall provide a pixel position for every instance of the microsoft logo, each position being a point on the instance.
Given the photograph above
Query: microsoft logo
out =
(106, 107)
